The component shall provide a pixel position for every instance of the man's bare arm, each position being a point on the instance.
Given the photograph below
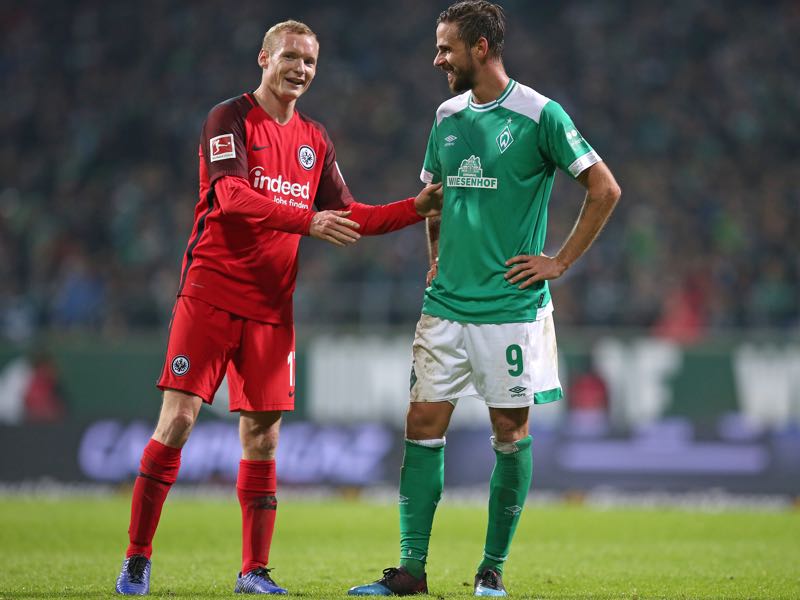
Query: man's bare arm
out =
(602, 194)
(432, 227)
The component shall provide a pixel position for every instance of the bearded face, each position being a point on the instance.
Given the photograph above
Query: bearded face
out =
(461, 79)
(454, 58)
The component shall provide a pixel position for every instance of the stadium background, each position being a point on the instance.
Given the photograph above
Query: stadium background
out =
(680, 351)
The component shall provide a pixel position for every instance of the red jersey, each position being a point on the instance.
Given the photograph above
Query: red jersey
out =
(258, 182)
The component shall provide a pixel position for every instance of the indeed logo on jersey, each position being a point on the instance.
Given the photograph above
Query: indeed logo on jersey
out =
(278, 185)
(470, 175)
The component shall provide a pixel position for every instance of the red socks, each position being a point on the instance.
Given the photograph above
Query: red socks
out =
(256, 487)
(157, 472)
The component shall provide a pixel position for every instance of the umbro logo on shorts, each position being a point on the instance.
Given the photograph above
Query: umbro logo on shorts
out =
(517, 391)
(180, 365)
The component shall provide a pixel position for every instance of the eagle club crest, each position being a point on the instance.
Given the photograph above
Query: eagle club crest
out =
(180, 365)
(307, 157)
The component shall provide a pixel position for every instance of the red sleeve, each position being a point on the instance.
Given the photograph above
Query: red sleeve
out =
(333, 194)
(237, 198)
(223, 142)
(375, 220)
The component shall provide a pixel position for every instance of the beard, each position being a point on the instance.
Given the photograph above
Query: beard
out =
(463, 79)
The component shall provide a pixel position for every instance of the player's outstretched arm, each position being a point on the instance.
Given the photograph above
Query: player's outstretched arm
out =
(385, 218)
(333, 226)
(602, 194)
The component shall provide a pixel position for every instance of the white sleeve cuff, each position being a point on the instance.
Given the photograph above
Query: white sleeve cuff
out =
(583, 163)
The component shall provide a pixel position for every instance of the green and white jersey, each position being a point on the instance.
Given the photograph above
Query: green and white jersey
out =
(498, 163)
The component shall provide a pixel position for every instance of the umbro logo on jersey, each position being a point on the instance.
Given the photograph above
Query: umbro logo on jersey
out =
(257, 148)
(450, 140)
(221, 147)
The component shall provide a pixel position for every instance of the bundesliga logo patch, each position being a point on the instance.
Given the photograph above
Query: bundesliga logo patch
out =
(180, 365)
(221, 147)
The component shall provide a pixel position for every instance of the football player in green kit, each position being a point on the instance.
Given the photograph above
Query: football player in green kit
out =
(486, 329)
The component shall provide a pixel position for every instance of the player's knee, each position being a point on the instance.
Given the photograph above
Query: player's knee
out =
(260, 443)
(174, 430)
(509, 430)
(182, 421)
(423, 426)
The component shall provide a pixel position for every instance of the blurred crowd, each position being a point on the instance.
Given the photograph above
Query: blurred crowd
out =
(694, 105)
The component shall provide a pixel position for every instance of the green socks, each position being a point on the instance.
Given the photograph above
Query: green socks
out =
(508, 489)
(421, 483)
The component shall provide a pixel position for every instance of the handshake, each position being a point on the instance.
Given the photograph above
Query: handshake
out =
(333, 225)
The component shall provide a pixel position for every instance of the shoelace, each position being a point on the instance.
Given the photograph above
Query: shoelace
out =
(263, 572)
(136, 566)
(390, 573)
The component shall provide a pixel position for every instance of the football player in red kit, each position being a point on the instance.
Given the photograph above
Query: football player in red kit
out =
(262, 166)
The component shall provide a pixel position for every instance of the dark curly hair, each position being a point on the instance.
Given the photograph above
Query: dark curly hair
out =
(477, 19)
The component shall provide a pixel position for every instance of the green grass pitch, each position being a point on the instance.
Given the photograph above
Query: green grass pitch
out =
(72, 548)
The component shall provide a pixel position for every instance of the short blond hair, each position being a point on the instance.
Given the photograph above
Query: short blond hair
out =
(271, 37)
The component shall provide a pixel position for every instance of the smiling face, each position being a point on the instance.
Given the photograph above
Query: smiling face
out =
(289, 65)
(454, 58)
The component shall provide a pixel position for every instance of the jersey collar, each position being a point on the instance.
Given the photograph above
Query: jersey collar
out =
(494, 103)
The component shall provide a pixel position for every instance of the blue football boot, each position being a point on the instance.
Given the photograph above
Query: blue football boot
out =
(489, 583)
(134, 578)
(395, 582)
(257, 581)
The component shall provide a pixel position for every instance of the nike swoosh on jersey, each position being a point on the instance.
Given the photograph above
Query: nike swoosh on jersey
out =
(257, 148)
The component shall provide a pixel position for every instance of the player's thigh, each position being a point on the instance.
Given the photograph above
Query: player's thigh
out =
(440, 369)
(515, 364)
(261, 374)
(201, 340)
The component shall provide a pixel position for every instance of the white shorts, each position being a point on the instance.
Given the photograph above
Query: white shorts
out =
(508, 365)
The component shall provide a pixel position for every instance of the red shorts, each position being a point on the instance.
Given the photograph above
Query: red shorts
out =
(206, 343)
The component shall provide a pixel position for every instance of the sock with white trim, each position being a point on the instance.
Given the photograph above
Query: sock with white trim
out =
(508, 489)
(421, 484)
